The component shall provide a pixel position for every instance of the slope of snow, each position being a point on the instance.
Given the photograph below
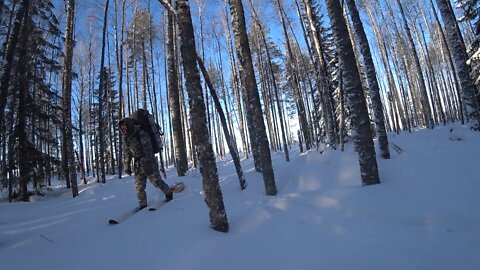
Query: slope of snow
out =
(424, 215)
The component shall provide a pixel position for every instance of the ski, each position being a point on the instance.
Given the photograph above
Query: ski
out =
(176, 188)
(124, 216)
(156, 205)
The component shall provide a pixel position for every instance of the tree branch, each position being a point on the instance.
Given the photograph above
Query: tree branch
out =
(169, 7)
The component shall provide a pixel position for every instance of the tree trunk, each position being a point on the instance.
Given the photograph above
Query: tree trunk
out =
(119, 57)
(211, 186)
(231, 144)
(22, 86)
(353, 89)
(460, 57)
(320, 66)
(236, 86)
(259, 135)
(371, 78)
(426, 110)
(274, 81)
(174, 101)
(101, 91)
(68, 157)
(296, 84)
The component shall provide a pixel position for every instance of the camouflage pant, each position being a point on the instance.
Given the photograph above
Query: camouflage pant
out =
(141, 182)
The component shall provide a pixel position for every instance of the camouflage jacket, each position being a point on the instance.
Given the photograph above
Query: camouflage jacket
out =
(136, 144)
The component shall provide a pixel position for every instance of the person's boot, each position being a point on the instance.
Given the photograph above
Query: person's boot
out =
(169, 197)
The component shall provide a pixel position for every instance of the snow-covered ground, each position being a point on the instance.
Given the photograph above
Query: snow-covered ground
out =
(424, 215)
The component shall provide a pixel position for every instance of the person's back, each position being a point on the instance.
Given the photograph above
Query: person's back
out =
(137, 145)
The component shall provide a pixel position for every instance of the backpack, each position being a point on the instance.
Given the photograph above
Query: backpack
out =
(147, 123)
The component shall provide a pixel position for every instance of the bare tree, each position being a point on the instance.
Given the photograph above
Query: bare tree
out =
(211, 186)
(371, 75)
(67, 146)
(258, 134)
(353, 89)
(460, 57)
(174, 100)
(101, 92)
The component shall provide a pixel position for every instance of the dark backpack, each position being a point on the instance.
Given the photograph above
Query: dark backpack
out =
(147, 123)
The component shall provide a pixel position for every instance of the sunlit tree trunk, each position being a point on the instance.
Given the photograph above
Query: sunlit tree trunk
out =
(371, 75)
(460, 57)
(211, 186)
(353, 89)
(258, 134)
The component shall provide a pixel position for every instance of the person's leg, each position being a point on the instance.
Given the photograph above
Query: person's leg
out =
(140, 184)
(157, 181)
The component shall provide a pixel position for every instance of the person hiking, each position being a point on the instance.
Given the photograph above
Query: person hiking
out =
(137, 145)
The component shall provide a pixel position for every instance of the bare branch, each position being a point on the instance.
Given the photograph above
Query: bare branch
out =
(167, 5)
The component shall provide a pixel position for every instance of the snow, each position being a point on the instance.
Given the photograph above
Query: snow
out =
(424, 215)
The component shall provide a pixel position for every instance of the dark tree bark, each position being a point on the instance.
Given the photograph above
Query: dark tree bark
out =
(258, 133)
(230, 143)
(20, 129)
(460, 57)
(208, 167)
(371, 75)
(174, 101)
(355, 97)
(101, 91)
(68, 160)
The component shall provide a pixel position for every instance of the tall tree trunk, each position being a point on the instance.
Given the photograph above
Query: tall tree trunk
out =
(101, 91)
(320, 66)
(426, 110)
(230, 143)
(259, 135)
(296, 84)
(236, 85)
(119, 58)
(371, 75)
(274, 80)
(211, 186)
(22, 86)
(450, 59)
(68, 158)
(460, 57)
(356, 99)
(179, 139)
